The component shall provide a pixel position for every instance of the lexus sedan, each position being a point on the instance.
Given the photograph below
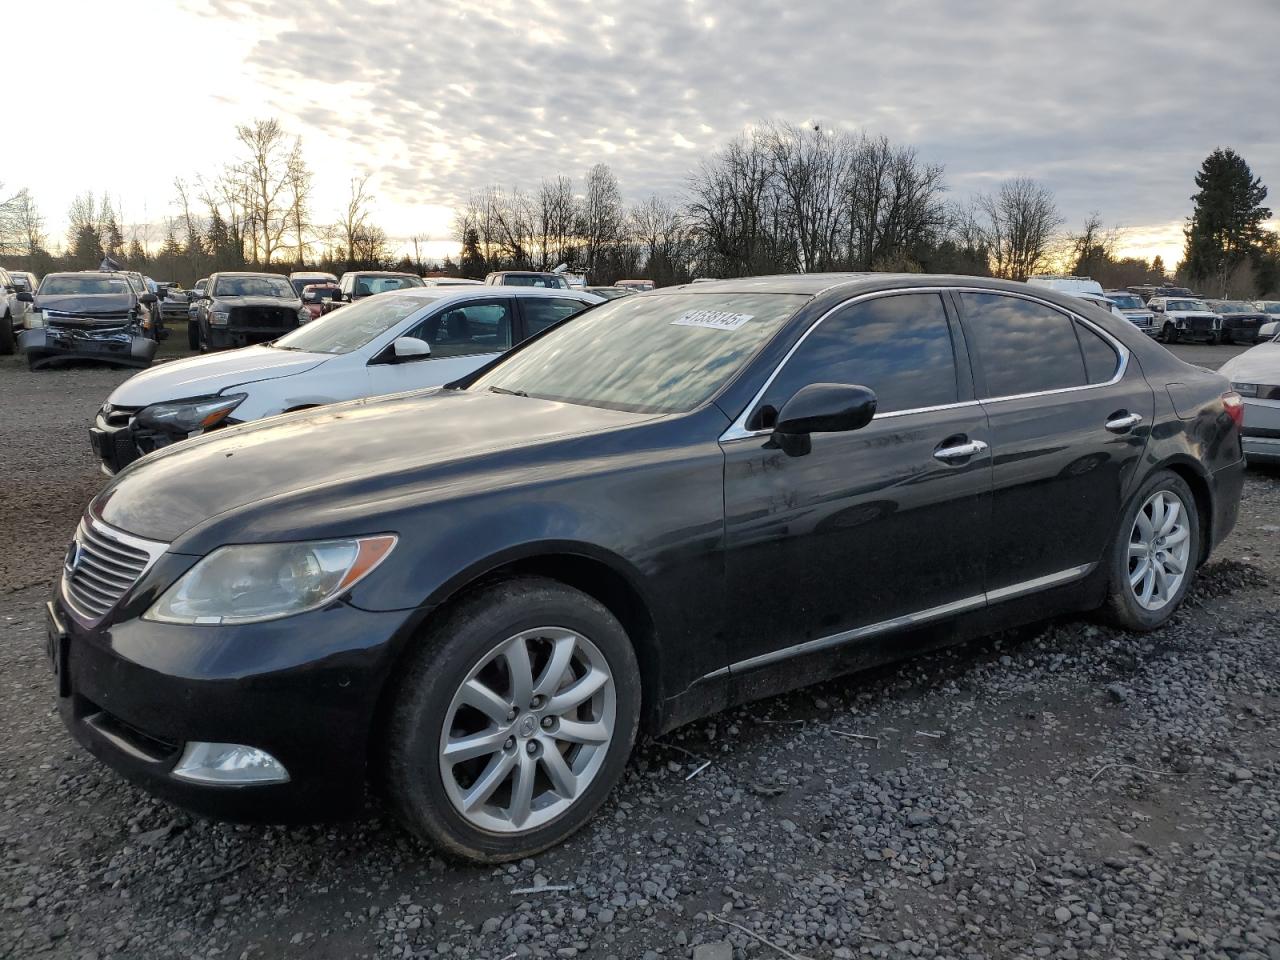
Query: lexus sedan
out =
(477, 596)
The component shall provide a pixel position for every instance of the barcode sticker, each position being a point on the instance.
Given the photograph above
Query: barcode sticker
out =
(712, 319)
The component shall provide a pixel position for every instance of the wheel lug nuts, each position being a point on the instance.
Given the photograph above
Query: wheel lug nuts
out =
(548, 723)
(510, 744)
(531, 747)
(537, 702)
(512, 713)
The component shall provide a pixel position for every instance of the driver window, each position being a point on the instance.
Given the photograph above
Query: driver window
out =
(467, 328)
(899, 346)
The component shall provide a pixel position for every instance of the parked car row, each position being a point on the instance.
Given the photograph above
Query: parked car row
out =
(479, 594)
(1173, 314)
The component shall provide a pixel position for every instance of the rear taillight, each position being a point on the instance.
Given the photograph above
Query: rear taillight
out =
(1234, 405)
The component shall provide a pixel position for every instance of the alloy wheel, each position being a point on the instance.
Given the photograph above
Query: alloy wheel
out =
(528, 730)
(1159, 550)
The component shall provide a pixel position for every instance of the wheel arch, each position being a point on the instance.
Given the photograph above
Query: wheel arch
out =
(1193, 473)
(603, 576)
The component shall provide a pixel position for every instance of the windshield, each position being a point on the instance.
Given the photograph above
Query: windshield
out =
(366, 285)
(83, 286)
(1271, 306)
(1224, 306)
(1186, 305)
(253, 287)
(352, 327)
(1126, 301)
(663, 354)
(301, 283)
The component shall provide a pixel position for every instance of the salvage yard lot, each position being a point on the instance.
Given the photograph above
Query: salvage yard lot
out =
(1066, 790)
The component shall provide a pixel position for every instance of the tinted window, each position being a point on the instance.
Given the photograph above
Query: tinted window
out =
(543, 312)
(659, 354)
(64, 285)
(277, 287)
(900, 347)
(1024, 347)
(367, 285)
(1100, 359)
(467, 328)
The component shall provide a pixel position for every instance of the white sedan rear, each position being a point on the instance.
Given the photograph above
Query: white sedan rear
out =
(1255, 375)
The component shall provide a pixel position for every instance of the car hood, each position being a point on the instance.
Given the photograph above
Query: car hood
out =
(86, 303)
(1261, 364)
(233, 302)
(248, 481)
(206, 375)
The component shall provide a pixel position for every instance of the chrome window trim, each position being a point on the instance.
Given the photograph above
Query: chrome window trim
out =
(738, 429)
(918, 618)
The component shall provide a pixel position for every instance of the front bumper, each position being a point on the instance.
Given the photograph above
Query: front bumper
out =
(228, 338)
(50, 345)
(133, 693)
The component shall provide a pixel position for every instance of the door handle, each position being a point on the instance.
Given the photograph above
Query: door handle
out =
(1123, 422)
(960, 451)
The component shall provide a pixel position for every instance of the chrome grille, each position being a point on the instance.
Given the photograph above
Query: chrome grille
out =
(59, 316)
(102, 564)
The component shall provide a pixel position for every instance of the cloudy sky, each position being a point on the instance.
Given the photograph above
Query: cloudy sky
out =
(1112, 104)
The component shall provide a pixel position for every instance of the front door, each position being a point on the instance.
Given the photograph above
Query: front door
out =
(868, 530)
(1070, 414)
(463, 336)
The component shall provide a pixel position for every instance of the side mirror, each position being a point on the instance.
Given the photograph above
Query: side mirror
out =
(410, 348)
(822, 408)
(147, 298)
(26, 297)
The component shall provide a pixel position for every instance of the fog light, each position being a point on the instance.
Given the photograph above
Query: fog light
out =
(228, 763)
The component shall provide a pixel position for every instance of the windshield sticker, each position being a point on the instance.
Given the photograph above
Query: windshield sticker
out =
(712, 319)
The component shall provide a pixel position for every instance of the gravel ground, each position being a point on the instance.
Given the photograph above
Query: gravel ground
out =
(1065, 790)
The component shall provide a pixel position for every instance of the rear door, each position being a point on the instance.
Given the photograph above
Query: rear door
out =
(463, 336)
(1070, 413)
(873, 528)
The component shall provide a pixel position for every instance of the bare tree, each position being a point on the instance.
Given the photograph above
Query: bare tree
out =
(1018, 223)
(813, 168)
(21, 225)
(734, 210)
(601, 217)
(557, 214)
(660, 231)
(265, 171)
(298, 184)
(356, 215)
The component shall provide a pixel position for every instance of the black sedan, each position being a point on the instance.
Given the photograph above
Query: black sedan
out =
(476, 596)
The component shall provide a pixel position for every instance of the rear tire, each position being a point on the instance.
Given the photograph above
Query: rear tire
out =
(462, 684)
(193, 335)
(1153, 560)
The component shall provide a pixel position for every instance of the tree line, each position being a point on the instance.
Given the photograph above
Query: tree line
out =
(780, 198)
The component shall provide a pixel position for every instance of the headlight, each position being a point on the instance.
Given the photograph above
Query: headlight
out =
(184, 416)
(251, 583)
(1245, 389)
(218, 318)
(35, 320)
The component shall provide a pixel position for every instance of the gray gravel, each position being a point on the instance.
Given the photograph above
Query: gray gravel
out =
(1065, 791)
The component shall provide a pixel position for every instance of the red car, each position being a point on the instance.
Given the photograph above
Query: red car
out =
(321, 298)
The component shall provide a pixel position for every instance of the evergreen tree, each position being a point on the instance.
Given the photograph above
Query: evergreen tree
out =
(1225, 228)
(86, 248)
(1158, 267)
(472, 259)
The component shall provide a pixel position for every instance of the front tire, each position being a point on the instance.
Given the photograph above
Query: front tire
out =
(1169, 333)
(193, 335)
(8, 339)
(1154, 557)
(511, 722)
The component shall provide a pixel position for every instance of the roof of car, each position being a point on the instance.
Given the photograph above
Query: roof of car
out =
(380, 273)
(458, 293)
(248, 273)
(814, 284)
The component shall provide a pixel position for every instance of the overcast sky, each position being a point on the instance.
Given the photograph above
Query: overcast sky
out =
(1112, 104)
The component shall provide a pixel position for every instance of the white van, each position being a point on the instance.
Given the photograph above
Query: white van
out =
(1072, 285)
